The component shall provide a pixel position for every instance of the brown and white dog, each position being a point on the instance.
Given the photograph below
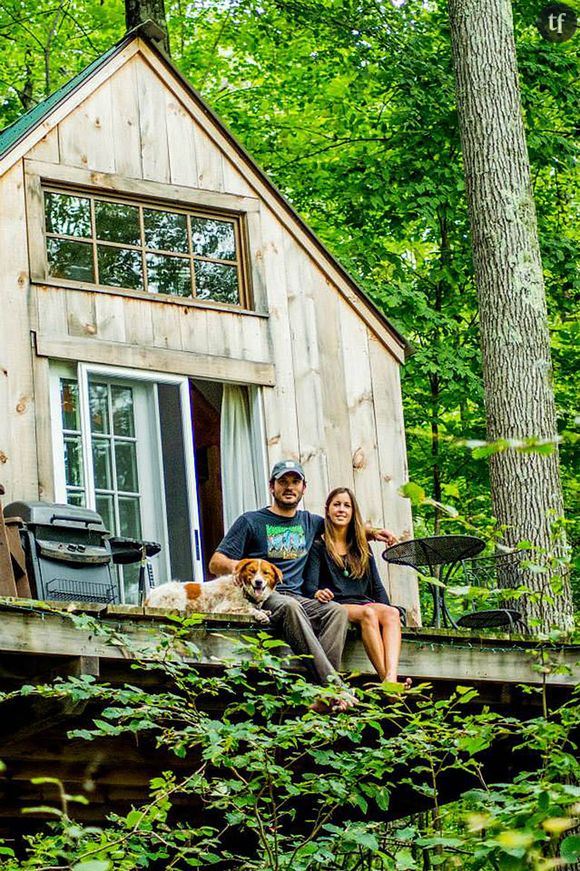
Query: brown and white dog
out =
(243, 592)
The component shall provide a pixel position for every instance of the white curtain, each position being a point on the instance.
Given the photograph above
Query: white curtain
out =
(242, 485)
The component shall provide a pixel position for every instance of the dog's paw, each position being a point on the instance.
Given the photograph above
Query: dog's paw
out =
(262, 616)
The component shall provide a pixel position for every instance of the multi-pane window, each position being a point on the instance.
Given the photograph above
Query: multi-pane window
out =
(141, 247)
(113, 444)
(114, 448)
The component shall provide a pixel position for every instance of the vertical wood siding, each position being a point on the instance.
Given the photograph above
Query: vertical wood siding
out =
(17, 419)
(126, 125)
(86, 136)
(336, 402)
(301, 281)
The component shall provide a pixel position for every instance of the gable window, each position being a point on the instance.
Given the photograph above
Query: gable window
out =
(114, 243)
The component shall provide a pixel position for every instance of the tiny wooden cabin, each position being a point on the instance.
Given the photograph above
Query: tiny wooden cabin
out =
(170, 327)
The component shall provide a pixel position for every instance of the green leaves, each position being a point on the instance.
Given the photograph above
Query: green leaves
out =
(570, 849)
(92, 865)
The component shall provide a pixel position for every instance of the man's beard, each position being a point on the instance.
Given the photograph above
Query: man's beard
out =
(285, 506)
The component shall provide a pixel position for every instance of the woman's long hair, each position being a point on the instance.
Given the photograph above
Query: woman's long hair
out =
(356, 560)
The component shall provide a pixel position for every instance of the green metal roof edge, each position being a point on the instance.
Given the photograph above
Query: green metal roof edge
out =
(13, 134)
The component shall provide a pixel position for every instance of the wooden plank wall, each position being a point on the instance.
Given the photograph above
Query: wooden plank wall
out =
(150, 324)
(336, 401)
(17, 411)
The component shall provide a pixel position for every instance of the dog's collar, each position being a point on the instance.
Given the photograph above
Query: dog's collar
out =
(251, 599)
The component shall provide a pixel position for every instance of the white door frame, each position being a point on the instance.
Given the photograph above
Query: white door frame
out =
(84, 370)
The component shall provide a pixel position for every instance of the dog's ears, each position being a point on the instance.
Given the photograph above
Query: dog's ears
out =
(240, 570)
(277, 574)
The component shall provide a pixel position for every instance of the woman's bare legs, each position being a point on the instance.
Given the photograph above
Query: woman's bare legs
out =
(390, 627)
(381, 636)
(367, 618)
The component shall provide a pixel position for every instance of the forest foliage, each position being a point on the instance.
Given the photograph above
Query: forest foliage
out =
(349, 106)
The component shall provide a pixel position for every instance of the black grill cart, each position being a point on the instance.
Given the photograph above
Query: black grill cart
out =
(68, 552)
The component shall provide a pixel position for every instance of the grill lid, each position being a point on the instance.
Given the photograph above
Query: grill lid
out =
(56, 514)
(73, 553)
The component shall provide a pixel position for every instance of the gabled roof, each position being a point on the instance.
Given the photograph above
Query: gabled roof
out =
(150, 33)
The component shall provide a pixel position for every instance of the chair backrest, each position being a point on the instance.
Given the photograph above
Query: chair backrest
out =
(498, 577)
(495, 585)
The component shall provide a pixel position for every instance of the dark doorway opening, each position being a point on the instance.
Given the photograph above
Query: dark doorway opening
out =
(206, 399)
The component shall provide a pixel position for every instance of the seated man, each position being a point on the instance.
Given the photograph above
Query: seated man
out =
(284, 535)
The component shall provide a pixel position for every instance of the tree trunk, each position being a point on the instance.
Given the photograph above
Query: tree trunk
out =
(139, 11)
(526, 488)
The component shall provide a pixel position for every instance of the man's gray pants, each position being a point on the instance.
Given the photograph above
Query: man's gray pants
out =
(311, 628)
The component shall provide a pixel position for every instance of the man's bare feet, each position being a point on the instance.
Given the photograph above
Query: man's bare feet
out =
(320, 707)
(339, 705)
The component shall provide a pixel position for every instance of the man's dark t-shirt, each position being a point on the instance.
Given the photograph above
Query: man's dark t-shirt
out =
(284, 541)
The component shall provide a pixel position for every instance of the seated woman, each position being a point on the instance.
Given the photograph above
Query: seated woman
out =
(341, 568)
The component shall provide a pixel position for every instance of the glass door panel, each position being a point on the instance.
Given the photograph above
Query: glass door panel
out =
(115, 473)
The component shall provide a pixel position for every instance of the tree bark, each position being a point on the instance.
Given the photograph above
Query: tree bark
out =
(519, 399)
(139, 11)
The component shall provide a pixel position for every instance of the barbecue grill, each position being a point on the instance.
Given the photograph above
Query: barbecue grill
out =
(68, 553)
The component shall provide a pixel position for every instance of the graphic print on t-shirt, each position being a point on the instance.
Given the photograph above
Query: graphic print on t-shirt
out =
(285, 542)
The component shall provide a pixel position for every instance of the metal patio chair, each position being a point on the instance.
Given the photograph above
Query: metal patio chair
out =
(497, 577)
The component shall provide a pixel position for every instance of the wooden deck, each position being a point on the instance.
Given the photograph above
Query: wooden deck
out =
(38, 643)
(40, 630)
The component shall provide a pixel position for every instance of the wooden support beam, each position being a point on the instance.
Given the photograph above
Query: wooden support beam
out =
(26, 718)
(194, 365)
(82, 665)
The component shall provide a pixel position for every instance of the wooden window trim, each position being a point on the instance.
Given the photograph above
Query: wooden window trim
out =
(243, 211)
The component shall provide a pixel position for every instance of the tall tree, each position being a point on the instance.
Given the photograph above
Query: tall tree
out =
(519, 398)
(139, 11)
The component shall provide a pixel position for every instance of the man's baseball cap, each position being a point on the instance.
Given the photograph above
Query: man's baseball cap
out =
(285, 467)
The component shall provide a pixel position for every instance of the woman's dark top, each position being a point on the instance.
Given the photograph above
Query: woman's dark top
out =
(321, 572)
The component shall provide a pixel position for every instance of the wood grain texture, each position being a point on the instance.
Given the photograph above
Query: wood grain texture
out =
(335, 412)
(209, 161)
(152, 125)
(359, 389)
(111, 182)
(17, 429)
(301, 290)
(426, 654)
(86, 135)
(66, 107)
(207, 366)
(280, 411)
(401, 582)
(126, 130)
(81, 313)
(48, 147)
(181, 143)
